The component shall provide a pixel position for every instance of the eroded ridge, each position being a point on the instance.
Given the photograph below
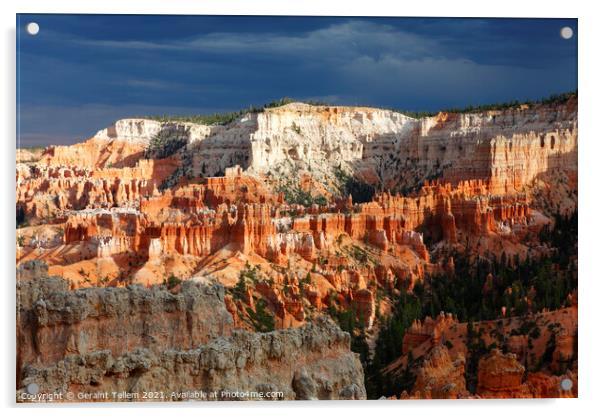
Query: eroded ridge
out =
(206, 236)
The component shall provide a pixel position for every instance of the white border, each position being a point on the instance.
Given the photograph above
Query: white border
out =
(590, 97)
(460, 8)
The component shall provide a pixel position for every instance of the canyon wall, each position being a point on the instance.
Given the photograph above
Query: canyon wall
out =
(511, 146)
(508, 149)
(137, 339)
(262, 227)
(55, 321)
(225, 210)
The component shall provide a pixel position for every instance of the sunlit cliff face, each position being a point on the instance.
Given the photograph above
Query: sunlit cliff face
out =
(298, 211)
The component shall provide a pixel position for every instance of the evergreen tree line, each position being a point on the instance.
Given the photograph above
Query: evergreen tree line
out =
(224, 118)
(477, 290)
(552, 99)
(228, 116)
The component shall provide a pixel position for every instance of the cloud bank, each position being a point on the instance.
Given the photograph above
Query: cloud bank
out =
(72, 83)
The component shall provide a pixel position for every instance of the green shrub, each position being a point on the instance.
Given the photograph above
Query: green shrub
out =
(240, 288)
(172, 281)
(167, 142)
(21, 218)
(293, 194)
(261, 319)
(535, 333)
(349, 185)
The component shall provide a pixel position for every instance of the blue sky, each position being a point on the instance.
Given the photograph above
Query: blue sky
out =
(82, 72)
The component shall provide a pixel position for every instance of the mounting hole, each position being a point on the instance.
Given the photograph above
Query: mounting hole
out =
(33, 388)
(566, 384)
(32, 28)
(566, 32)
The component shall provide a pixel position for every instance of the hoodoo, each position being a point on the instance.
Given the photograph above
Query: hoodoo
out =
(286, 249)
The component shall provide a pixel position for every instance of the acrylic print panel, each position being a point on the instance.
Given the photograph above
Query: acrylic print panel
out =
(294, 208)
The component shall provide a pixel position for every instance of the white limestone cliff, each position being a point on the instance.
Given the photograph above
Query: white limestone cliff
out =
(383, 147)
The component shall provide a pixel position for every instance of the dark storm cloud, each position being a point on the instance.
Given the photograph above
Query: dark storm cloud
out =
(83, 72)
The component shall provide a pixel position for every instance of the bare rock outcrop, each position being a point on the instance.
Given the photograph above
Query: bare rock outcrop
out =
(221, 210)
(137, 339)
(310, 362)
(501, 375)
(441, 376)
(55, 322)
(511, 147)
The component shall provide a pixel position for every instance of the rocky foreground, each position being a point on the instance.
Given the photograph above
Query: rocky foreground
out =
(141, 341)
(190, 256)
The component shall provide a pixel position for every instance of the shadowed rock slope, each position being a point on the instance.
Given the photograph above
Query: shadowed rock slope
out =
(137, 340)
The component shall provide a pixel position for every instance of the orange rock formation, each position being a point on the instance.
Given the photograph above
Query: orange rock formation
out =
(99, 214)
